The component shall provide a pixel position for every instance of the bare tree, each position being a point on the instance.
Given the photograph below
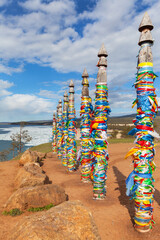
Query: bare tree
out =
(20, 139)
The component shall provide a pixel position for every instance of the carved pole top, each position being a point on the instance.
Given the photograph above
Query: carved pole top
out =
(146, 23)
(102, 51)
(85, 83)
(145, 40)
(102, 64)
(60, 107)
(71, 83)
(85, 77)
(85, 74)
(145, 27)
(71, 87)
(65, 99)
(102, 54)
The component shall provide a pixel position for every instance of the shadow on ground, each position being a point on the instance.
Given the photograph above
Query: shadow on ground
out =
(123, 199)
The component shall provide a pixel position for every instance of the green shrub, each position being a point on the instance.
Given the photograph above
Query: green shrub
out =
(14, 212)
(47, 207)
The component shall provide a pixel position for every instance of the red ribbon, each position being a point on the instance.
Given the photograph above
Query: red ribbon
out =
(142, 127)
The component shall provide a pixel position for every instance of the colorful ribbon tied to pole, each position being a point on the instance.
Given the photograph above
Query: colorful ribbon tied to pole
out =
(71, 140)
(64, 140)
(65, 130)
(54, 132)
(86, 140)
(140, 182)
(59, 131)
(99, 133)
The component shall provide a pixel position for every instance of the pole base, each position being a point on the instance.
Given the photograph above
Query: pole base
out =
(86, 180)
(97, 197)
(142, 229)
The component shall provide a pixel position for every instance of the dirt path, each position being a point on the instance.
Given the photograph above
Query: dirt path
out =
(113, 215)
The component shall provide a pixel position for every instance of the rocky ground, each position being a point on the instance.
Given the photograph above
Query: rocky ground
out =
(113, 216)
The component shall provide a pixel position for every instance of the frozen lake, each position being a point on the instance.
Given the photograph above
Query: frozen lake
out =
(39, 134)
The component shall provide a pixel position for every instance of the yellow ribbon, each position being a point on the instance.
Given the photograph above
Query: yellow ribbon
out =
(150, 64)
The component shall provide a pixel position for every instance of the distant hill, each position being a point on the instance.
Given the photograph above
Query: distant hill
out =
(33, 123)
(126, 119)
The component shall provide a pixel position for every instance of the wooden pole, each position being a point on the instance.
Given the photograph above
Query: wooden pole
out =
(71, 141)
(54, 130)
(99, 128)
(140, 181)
(86, 140)
(65, 129)
(59, 130)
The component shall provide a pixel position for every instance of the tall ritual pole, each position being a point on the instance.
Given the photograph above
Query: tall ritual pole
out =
(59, 130)
(57, 125)
(65, 129)
(99, 128)
(54, 132)
(71, 142)
(86, 140)
(140, 181)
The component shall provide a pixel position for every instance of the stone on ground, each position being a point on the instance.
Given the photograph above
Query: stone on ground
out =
(40, 155)
(28, 156)
(49, 155)
(38, 196)
(68, 221)
(30, 175)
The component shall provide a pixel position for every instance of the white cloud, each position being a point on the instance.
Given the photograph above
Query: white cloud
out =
(56, 8)
(25, 106)
(4, 92)
(48, 94)
(5, 84)
(4, 68)
(25, 103)
(47, 34)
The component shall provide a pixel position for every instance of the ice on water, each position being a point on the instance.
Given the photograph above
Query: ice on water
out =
(39, 134)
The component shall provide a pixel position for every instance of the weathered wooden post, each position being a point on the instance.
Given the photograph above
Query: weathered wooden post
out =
(65, 129)
(86, 140)
(54, 132)
(59, 130)
(140, 181)
(99, 128)
(71, 142)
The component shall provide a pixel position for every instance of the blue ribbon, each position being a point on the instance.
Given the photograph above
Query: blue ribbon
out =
(130, 182)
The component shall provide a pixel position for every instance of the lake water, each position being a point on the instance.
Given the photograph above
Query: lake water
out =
(39, 134)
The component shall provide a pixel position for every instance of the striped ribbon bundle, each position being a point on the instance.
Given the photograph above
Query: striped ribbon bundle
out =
(86, 140)
(140, 181)
(99, 133)
(64, 140)
(71, 142)
(59, 136)
(54, 132)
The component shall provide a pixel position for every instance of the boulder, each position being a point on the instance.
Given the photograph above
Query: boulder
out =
(28, 156)
(49, 155)
(30, 175)
(68, 221)
(38, 196)
(41, 155)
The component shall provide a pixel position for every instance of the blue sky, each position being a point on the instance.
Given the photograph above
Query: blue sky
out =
(46, 43)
